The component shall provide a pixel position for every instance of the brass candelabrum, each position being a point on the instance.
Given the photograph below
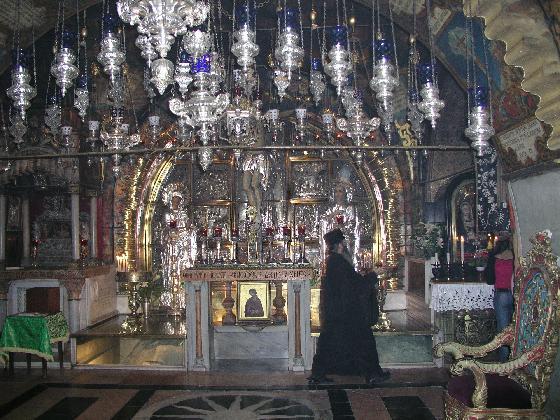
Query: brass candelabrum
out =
(383, 322)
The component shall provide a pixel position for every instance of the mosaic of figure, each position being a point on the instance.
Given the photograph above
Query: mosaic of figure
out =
(179, 246)
(342, 214)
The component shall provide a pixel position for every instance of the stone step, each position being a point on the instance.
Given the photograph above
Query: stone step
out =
(402, 349)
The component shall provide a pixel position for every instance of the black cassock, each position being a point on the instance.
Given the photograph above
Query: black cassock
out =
(348, 308)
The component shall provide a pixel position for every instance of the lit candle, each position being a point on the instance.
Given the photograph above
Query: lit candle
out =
(448, 258)
(462, 249)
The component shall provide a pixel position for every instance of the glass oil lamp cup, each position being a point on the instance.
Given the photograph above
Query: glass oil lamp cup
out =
(339, 219)
(286, 236)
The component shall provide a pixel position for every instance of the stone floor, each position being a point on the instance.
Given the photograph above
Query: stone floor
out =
(125, 394)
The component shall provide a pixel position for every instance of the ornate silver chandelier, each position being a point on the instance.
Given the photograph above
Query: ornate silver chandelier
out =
(202, 109)
(21, 92)
(357, 126)
(115, 137)
(339, 66)
(162, 20)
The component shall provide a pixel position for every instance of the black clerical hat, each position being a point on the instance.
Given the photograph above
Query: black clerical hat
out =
(333, 237)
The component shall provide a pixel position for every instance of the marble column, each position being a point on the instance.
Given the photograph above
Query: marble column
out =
(93, 226)
(74, 288)
(26, 225)
(2, 231)
(75, 219)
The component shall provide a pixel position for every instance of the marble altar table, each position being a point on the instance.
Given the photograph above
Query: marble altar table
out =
(200, 327)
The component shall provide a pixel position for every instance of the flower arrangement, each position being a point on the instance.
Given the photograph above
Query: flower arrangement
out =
(427, 239)
(480, 258)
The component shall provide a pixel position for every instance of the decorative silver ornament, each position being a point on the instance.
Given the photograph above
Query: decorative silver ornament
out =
(17, 129)
(317, 85)
(197, 43)
(431, 104)
(339, 67)
(21, 92)
(64, 70)
(163, 20)
(183, 76)
(53, 118)
(205, 157)
(245, 47)
(81, 101)
(358, 126)
(282, 82)
(289, 52)
(111, 56)
(147, 50)
(162, 74)
(479, 130)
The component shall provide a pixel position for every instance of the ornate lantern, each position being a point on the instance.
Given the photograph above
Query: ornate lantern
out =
(245, 47)
(21, 92)
(289, 52)
(431, 104)
(316, 81)
(339, 66)
(111, 55)
(385, 79)
(479, 128)
(63, 69)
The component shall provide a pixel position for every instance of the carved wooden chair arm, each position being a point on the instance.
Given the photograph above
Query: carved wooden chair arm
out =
(479, 369)
(459, 351)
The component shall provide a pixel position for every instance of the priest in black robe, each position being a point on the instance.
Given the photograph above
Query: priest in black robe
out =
(348, 308)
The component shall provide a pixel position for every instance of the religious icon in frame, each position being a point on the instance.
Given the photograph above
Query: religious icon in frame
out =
(253, 301)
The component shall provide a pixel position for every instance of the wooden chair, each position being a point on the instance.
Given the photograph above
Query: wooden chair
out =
(519, 387)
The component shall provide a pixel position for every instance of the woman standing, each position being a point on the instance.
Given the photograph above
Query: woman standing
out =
(499, 272)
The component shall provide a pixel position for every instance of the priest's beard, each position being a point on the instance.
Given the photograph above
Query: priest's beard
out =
(346, 254)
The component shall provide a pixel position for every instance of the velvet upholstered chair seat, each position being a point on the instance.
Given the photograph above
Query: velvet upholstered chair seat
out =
(503, 392)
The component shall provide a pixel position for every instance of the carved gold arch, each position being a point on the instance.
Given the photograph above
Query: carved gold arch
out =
(141, 189)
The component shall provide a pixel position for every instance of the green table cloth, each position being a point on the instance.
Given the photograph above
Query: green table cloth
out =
(32, 333)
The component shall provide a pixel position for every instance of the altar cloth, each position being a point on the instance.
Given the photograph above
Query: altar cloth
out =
(32, 333)
(461, 296)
